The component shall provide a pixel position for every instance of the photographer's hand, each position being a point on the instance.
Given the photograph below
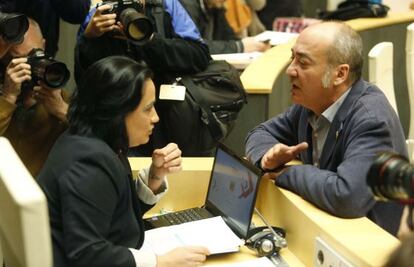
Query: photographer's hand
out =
(17, 72)
(101, 23)
(52, 100)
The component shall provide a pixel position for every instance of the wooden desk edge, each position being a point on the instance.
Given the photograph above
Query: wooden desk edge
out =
(260, 76)
(188, 163)
(354, 239)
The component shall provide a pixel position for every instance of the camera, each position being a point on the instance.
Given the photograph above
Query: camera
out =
(391, 177)
(137, 27)
(13, 26)
(53, 73)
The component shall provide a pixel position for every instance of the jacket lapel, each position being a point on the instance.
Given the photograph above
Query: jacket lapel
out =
(305, 135)
(337, 126)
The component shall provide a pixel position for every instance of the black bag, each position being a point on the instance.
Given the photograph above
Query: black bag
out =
(352, 9)
(213, 99)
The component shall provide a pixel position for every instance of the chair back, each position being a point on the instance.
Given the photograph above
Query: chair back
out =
(24, 221)
(409, 60)
(380, 66)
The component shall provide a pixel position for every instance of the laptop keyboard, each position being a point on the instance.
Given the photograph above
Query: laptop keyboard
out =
(183, 216)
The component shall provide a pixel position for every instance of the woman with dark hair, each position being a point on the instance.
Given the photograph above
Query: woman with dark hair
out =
(95, 205)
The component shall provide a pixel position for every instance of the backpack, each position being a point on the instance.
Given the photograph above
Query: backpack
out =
(213, 98)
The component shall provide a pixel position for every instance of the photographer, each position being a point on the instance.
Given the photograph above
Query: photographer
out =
(31, 117)
(174, 49)
(12, 29)
(48, 14)
(181, 49)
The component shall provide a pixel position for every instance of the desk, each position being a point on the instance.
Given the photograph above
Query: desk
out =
(268, 87)
(360, 241)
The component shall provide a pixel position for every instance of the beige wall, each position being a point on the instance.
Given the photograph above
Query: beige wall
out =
(67, 42)
(398, 5)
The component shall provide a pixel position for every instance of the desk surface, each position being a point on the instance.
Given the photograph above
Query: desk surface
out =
(360, 241)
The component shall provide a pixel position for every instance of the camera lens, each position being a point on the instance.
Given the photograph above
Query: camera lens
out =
(391, 177)
(56, 75)
(53, 73)
(137, 26)
(13, 27)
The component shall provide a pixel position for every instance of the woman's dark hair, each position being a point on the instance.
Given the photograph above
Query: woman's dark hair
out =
(110, 89)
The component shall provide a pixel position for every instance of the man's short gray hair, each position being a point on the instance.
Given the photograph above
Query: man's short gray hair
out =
(346, 48)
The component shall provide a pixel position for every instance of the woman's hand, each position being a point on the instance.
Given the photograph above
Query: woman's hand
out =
(183, 257)
(164, 161)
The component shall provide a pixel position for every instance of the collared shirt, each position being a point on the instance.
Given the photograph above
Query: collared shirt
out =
(320, 127)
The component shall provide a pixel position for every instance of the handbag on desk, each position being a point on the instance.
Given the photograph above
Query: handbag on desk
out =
(352, 9)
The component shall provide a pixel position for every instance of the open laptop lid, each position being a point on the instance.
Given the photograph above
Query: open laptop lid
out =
(232, 191)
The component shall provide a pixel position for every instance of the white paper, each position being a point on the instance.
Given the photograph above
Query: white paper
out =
(259, 262)
(237, 56)
(238, 60)
(212, 233)
(275, 38)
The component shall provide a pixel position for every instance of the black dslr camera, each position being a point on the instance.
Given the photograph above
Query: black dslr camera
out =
(391, 177)
(53, 73)
(13, 27)
(131, 13)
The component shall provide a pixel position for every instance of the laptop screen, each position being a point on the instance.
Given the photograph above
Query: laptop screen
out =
(232, 191)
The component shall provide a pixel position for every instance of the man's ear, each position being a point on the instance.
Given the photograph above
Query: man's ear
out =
(341, 74)
(43, 43)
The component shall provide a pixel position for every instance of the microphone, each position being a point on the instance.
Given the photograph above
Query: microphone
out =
(279, 240)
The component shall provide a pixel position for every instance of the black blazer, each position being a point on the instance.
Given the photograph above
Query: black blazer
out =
(94, 210)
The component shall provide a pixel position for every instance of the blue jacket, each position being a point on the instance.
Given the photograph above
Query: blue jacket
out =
(364, 125)
(180, 51)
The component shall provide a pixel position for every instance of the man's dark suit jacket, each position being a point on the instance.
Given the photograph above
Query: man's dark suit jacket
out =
(94, 210)
(364, 125)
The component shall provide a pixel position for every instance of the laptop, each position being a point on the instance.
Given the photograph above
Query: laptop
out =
(231, 194)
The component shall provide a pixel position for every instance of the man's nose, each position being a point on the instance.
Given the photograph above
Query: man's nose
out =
(291, 70)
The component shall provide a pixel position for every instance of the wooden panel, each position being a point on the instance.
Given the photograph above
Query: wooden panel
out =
(360, 241)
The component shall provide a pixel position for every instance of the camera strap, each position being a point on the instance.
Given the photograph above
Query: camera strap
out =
(158, 14)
